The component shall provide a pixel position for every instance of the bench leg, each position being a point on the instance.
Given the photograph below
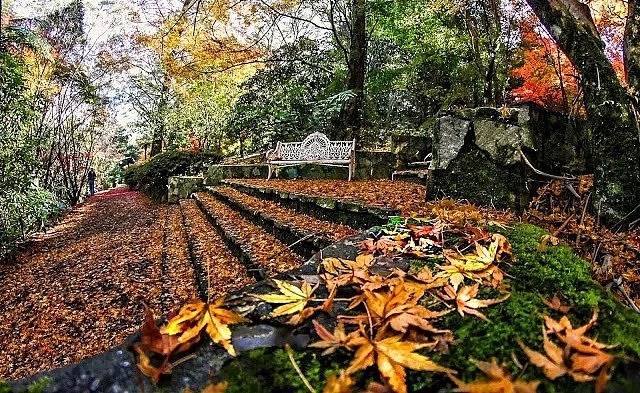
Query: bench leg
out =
(269, 175)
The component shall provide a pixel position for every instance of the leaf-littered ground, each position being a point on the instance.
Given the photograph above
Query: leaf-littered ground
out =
(78, 290)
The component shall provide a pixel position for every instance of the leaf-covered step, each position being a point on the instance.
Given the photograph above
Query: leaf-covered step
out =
(179, 281)
(321, 204)
(253, 244)
(219, 272)
(307, 233)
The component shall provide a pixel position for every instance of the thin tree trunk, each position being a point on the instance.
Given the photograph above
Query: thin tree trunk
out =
(357, 67)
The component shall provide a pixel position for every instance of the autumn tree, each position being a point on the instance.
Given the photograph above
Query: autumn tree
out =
(546, 76)
(611, 109)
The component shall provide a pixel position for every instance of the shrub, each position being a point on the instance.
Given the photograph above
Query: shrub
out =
(151, 177)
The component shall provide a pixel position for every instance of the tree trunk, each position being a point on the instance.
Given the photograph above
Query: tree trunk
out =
(616, 146)
(632, 47)
(160, 127)
(357, 63)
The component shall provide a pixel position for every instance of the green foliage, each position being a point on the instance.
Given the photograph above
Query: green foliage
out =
(203, 112)
(35, 387)
(534, 273)
(278, 102)
(152, 176)
(24, 205)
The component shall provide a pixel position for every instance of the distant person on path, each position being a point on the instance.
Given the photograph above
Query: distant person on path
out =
(92, 181)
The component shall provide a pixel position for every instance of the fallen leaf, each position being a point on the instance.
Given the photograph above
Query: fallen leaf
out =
(392, 356)
(216, 388)
(339, 384)
(197, 315)
(466, 300)
(555, 304)
(499, 381)
(295, 298)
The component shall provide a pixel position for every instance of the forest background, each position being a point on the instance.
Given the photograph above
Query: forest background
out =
(107, 83)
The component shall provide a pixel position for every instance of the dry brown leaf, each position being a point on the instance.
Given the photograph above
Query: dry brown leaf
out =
(575, 338)
(466, 300)
(555, 304)
(331, 341)
(392, 356)
(339, 384)
(499, 381)
(545, 241)
(144, 365)
(197, 315)
(216, 388)
(581, 358)
(553, 366)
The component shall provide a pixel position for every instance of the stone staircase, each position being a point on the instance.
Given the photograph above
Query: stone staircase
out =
(235, 234)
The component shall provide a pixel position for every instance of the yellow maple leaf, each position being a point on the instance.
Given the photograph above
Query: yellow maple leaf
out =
(295, 299)
(343, 383)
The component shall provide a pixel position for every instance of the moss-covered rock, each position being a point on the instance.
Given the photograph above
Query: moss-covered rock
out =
(475, 177)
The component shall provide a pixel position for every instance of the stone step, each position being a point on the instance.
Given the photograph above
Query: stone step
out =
(355, 214)
(177, 266)
(218, 271)
(306, 235)
(256, 248)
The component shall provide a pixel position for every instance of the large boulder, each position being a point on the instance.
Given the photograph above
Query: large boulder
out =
(449, 137)
(502, 141)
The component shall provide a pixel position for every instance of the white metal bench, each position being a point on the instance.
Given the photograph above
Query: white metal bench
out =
(314, 149)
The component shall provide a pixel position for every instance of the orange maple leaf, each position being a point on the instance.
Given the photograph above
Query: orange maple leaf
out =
(581, 358)
(198, 315)
(555, 304)
(392, 356)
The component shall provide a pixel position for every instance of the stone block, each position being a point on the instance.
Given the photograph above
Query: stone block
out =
(181, 187)
(450, 134)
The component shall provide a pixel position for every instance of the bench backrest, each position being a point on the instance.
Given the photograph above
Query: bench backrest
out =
(315, 147)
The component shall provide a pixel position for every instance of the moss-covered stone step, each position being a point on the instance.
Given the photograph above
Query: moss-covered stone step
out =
(261, 252)
(268, 368)
(218, 271)
(353, 214)
(306, 234)
(178, 276)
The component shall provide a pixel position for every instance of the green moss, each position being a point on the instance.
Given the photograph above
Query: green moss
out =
(534, 274)
(415, 265)
(34, 387)
(270, 370)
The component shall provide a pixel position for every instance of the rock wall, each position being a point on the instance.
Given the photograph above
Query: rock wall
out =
(181, 187)
(476, 153)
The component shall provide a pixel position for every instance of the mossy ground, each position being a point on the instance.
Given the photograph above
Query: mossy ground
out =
(35, 387)
(533, 274)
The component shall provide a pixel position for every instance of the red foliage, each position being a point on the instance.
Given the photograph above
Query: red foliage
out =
(549, 78)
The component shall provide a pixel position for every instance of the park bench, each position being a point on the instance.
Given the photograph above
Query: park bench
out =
(314, 149)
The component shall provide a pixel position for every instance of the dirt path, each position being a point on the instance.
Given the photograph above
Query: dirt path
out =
(78, 290)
